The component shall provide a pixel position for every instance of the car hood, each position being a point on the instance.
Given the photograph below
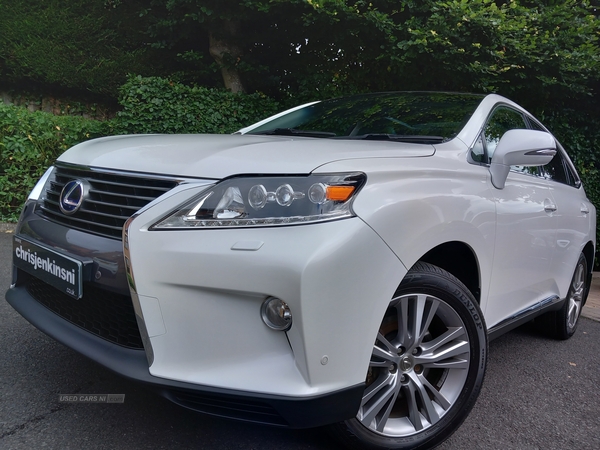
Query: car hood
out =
(219, 156)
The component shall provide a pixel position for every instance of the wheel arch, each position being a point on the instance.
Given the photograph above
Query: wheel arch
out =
(589, 253)
(459, 259)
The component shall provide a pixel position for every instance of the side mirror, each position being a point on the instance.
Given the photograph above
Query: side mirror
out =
(520, 148)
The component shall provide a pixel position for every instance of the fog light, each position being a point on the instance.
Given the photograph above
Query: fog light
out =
(276, 314)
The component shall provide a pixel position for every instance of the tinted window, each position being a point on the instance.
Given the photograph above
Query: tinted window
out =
(558, 170)
(534, 125)
(440, 115)
(478, 150)
(502, 120)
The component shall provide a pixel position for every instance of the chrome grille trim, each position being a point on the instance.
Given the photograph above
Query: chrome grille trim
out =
(113, 197)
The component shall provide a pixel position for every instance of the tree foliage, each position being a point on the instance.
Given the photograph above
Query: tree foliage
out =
(29, 144)
(543, 52)
(158, 105)
(79, 47)
(538, 52)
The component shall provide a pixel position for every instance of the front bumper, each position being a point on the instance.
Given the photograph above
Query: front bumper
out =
(200, 292)
(259, 408)
(198, 295)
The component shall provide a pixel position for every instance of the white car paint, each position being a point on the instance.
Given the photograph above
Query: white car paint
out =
(204, 288)
(220, 156)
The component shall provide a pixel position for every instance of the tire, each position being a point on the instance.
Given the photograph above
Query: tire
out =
(562, 324)
(427, 366)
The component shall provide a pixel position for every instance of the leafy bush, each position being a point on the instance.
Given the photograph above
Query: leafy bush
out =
(29, 143)
(158, 105)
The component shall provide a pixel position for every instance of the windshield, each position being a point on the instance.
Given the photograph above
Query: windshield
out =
(424, 117)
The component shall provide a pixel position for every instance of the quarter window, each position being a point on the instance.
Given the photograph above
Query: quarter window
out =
(502, 120)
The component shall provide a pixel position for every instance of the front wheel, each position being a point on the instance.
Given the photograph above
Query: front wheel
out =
(426, 368)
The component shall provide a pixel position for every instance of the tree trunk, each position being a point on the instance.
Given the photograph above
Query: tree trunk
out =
(224, 51)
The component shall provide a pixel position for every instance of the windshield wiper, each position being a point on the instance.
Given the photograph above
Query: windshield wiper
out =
(296, 132)
(419, 139)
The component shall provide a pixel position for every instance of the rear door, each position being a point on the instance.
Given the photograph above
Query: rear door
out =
(573, 215)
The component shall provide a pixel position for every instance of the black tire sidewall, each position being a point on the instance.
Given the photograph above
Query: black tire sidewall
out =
(428, 279)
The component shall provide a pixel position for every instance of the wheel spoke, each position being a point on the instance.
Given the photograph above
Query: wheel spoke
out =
(404, 338)
(391, 348)
(381, 357)
(438, 397)
(418, 390)
(578, 291)
(576, 296)
(453, 363)
(415, 314)
(413, 411)
(578, 278)
(384, 380)
(573, 313)
(451, 334)
(577, 284)
(423, 314)
(378, 402)
(446, 356)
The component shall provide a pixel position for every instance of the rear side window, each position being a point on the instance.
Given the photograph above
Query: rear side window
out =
(560, 170)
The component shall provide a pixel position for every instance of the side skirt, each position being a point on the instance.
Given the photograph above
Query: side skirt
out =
(553, 303)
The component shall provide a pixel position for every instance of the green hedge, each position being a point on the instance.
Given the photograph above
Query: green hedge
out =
(29, 143)
(158, 105)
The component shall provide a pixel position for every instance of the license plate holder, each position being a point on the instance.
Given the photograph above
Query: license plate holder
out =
(57, 269)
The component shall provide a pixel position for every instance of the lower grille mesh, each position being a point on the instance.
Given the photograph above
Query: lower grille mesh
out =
(228, 406)
(103, 313)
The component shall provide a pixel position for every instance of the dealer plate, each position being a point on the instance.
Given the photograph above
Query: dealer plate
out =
(56, 269)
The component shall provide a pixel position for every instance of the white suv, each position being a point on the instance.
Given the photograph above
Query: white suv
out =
(344, 262)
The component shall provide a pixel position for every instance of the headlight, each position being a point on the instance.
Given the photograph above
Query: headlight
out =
(268, 201)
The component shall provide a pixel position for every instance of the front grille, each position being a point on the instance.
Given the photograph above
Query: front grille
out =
(112, 198)
(103, 313)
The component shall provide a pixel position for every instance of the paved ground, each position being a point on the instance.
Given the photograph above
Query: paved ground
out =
(539, 394)
(592, 309)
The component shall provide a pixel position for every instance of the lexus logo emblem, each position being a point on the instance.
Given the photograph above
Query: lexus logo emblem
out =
(406, 364)
(72, 196)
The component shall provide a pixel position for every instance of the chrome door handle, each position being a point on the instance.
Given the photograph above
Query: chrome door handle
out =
(549, 206)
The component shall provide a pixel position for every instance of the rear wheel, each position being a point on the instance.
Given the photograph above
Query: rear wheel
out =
(426, 368)
(562, 324)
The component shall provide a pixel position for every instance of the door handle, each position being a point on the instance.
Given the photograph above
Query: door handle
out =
(549, 206)
(584, 209)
